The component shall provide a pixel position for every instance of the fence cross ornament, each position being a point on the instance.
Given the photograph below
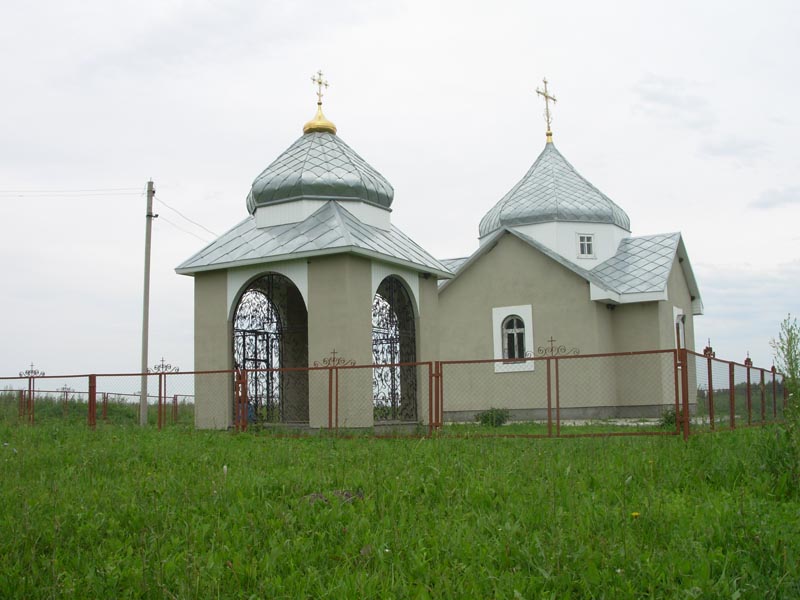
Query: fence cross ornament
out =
(32, 372)
(334, 361)
(553, 350)
(163, 367)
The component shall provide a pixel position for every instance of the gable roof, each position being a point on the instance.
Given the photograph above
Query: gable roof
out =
(638, 272)
(641, 264)
(461, 264)
(330, 230)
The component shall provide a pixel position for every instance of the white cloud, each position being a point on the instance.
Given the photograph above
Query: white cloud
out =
(774, 198)
(674, 100)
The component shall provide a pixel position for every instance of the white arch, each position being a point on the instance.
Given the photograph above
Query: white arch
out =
(295, 271)
(381, 271)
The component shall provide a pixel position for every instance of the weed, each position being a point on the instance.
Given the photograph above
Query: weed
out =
(494, 417)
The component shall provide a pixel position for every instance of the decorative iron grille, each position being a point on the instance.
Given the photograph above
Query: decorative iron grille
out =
(257, 347)
(394, 388)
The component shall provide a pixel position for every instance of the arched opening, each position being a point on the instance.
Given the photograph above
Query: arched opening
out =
(394, 388)
(270, 335)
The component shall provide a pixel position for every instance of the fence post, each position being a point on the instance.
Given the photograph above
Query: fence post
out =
(245, 399)
(175, 408)
(774, 394)
(749, 399)
(160, 400)
(732, 387)
(685, 391)
(710, 393)
(31, 403)
(430, 398)
(558, 401)
(92, 401)
(677, 384)
(105, 406)
(21, 407)
(763, 388)
(330, 398)
(549, 403)
(440, 408)
(336, 406)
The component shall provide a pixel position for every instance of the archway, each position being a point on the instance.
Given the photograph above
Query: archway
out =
(270, 335)
(394, 388)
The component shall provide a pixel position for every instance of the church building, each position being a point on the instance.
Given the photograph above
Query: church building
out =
(316, 275)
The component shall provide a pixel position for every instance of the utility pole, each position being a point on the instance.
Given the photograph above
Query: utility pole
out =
(151, 191)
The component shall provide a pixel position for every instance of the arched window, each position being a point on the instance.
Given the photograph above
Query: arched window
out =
(513, 337)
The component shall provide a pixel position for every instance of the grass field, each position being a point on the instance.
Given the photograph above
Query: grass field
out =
(125, 513)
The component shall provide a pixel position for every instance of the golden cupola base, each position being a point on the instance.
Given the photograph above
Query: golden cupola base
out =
(319, 123)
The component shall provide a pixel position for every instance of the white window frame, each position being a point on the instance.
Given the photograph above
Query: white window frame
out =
(500, 315)
(591, 243)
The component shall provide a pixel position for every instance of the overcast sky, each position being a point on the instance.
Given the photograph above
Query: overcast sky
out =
(684, 113)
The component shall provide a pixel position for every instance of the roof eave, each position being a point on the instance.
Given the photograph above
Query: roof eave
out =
(440, 274)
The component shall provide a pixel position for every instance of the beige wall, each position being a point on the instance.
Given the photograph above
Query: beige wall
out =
(212, 351)
(636, 327)
(427, 340)
(339, 317)
(513, 273)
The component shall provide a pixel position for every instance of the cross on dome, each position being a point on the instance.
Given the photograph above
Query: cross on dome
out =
(319, 81)
(547, 98)
(319, 123)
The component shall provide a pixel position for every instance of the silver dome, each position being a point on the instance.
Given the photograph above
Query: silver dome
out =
(319, 165)
(552, 190)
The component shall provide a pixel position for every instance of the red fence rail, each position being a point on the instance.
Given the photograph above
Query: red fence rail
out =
(626, 393)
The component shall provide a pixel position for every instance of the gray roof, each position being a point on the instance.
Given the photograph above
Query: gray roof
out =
(456, 265)
(453, 264)
(552, 190)
(640, 265)
(331, 229)
(319, 165)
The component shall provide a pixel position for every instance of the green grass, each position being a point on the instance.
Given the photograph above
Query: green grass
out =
(127, 513)
(118, 412)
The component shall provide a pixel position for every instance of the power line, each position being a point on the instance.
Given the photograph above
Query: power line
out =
(65, 194)
(178, 227)
(185, 217)
(48, 191)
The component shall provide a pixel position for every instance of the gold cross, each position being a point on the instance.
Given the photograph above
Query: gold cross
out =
(320, 82)
(547, 98)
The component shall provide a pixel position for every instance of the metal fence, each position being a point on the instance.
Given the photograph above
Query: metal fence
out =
(728, 394)
(662, 392)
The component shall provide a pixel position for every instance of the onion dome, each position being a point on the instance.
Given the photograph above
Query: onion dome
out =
(552, 190)
(319, 166)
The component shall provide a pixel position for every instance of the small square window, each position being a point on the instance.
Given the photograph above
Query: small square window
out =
(585, 245)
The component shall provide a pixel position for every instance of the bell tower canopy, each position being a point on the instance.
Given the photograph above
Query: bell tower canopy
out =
(319, 166)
